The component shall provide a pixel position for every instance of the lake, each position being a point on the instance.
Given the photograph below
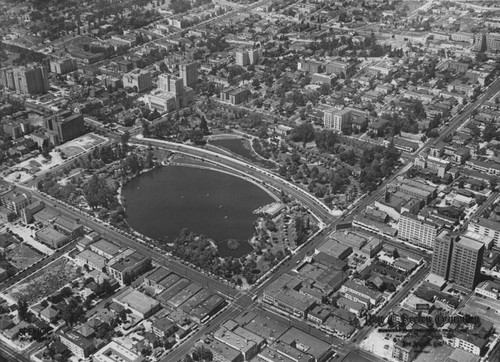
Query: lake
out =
(161, 202)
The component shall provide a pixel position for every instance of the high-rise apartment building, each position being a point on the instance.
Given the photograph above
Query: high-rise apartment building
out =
(189, 74)
(493, 42)
(246, 57)
(31, 79)
(466, 261)
(442, 254)
(417, 231)
(242, 58)
(479, 42)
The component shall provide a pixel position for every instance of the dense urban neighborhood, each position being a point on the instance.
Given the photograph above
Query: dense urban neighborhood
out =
(249, 180)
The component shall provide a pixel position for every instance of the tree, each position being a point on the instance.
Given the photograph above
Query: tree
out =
(201, 353)
(22, 309)
(489, 132)
(303, 133)
(196, 136)
(124, 138)
(204, 125)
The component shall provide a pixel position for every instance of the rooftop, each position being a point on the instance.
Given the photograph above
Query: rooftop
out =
(136, 301)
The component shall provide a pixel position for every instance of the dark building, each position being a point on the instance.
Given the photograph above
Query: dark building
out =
(442, 254)
(466, 261)
(67, 126)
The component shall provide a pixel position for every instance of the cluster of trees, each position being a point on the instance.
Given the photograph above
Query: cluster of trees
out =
(199, 354)
(377, 163)
(100, 190)
(181, 6)
(200, 251)
(303, 133)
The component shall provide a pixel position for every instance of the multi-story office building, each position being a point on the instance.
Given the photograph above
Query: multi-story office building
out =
(189, 74)
(31, 79)
(466, 260)
(442, 253)
(138, 79)
(76, 343)
(417, 231)
(67, 126)
(62, 65)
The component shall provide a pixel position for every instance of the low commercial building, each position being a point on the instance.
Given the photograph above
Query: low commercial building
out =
(91, 259)
(139, 303)
(113, 352)
(153, 278)
(127, 265)
(334, 248)
(76, 343)
(105, 248)
(247, 347)
(486, 227)
(224, 353)
(351, 287)
(489, 289)
(51, 237)
(68, 227)
(284, 295)
(306, 344)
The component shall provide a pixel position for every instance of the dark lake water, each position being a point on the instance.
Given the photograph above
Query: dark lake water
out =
(162, 202)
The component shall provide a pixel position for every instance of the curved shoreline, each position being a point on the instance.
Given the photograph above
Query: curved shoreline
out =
(246, 178)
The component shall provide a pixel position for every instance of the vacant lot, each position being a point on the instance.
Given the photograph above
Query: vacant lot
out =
(23, 256)
(46, 281)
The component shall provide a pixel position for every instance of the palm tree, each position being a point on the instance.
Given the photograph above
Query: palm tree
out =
(202, 354)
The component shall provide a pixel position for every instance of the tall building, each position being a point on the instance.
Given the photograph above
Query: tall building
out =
(442, 254)
(254, 55)
(189, 74)
(417, 231)
(246, 57)
(170, 83)
(466, 261)
(170, 95)
(31, 79)
(62, 65)
(339, 119)
(479, 42)
(67, 125)
(242, 58)
(138, 79)
(493, 42)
